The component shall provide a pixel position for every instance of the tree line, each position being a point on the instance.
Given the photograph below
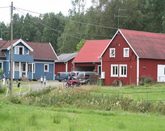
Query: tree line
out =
(99, 21)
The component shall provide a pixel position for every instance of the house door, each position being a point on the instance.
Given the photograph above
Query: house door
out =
(23, 70)
(161, 73)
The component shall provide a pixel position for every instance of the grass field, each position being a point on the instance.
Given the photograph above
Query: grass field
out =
(74, 110)
(29, 118)
(155, 92)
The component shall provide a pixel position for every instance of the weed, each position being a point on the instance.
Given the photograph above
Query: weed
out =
(32, 120)
(57, 118)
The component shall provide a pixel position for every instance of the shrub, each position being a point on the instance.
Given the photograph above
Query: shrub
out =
(15, 100)
(2, 90)
(145, 80)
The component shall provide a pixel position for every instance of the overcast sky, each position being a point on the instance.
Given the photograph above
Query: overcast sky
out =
(41, 6)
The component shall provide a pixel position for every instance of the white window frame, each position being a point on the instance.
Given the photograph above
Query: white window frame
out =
(124, 52)
(110, 52)
(47, 67)
(17, 48)
(120, 70)
(117, 74)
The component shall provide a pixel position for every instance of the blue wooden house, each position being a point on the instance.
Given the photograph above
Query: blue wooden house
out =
(30, 59)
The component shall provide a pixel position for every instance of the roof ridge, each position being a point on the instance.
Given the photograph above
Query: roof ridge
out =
(143, 31)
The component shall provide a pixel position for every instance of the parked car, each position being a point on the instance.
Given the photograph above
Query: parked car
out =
(74, 74)
(86, 77)
(62, 76)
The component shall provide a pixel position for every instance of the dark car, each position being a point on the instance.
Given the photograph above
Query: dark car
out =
(87, 77)
(62, 76)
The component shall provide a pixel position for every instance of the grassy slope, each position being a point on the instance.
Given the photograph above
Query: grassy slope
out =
(29, 118)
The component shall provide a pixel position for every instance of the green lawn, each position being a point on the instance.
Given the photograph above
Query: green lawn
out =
(29, 118)
(75, 110)
(154, 92)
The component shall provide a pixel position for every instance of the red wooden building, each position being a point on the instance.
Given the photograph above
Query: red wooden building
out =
(64, 62)
(88, 58)
(134, 54)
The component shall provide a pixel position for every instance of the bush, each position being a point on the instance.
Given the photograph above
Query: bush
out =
(2, 90)
(15, 100)
(145, 80)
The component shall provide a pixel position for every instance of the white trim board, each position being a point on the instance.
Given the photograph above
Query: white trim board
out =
(20, 41)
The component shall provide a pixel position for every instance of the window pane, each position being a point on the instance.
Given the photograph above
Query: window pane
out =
(112, 52)
(20, 50)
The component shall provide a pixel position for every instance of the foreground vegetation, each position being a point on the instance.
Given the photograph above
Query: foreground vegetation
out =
(29, 118)
(86, 108)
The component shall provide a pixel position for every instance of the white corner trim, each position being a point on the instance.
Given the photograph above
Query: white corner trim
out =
(24, 43)
(137, 71)
(53, 50)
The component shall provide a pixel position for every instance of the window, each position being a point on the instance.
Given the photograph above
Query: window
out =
(16, 66)
(99, 70)
(46, 67)
(29, 67)
(19, 50)
(114, 70)
(112, 52)
(126, 52)
(123, 70)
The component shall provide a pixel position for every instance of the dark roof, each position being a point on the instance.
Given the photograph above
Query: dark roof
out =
(66, 57)
(91, 51)
(41, 51)
(145, 44)
(4, 44)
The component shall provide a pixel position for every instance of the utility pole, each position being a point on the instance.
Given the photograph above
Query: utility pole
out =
(119, 16)
(11, 50)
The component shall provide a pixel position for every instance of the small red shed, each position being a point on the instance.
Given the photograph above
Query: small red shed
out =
(64, 62)
(134, 54)
(88, 58)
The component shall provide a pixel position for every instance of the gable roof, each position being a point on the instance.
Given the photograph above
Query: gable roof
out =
(66, 57)
(91, 51)
(144, 44)
(42, 51)
(15, 42)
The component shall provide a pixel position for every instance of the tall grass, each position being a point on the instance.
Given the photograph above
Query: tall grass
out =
(82, 98)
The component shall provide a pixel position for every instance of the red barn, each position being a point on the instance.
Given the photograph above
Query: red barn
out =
(64, 62)
(88, 58)
(132, 55)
